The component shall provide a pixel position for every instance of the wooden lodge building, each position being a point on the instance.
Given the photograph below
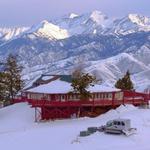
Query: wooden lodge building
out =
(58, 88)
(50, 96)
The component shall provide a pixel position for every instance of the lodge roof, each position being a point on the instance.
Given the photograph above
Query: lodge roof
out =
(59, 86)
(47, 78)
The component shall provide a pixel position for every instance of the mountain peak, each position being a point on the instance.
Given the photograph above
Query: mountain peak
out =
(139, 19)
(70, 16)
(96, 12)
(73, 15)
(49, 30)
(44, 22)
(98, 16)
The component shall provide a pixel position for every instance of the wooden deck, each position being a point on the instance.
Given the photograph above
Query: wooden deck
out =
(45, 109)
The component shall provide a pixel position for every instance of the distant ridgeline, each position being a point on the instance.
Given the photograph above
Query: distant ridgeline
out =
(104, 46)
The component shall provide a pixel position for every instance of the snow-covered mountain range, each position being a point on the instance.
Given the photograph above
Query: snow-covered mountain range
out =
(9, 33)
(107, 47)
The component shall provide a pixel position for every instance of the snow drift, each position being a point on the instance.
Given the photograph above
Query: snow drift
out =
(17, 127)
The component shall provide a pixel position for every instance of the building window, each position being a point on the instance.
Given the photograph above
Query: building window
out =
(77, 96)
(110, 96)
(93, 96)
(102, 96)
(119, 95)
(97, 96)
(63, 97)
(70, 97)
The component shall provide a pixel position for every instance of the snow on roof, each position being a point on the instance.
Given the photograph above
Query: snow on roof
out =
(53, 87)
(102, 88)
(47, 77)
(63, 87)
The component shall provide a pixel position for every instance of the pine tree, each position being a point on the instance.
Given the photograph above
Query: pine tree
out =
(3, 86)
(81, 82)
(125, 83)
(13, 74)
(119, 84)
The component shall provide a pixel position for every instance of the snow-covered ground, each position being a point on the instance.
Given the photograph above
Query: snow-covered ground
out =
(18, 131)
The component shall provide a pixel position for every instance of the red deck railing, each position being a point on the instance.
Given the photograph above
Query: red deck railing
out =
(130, 97)
(40, 103)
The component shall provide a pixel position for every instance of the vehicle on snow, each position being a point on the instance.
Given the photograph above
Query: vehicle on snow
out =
(119, 126)
(116, 126)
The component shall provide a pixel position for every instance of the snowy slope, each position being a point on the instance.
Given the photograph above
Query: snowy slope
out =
(9, 33)
(142, 80)
(21, 132)
(20, 116)
(118, 65)
(143, 54)
(129, 24)
(108, 70)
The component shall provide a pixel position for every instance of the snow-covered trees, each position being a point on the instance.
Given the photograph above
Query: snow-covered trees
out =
(10, 78)
(125, 83)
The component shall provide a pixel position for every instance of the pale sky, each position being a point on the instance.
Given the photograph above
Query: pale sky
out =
(29, 12)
